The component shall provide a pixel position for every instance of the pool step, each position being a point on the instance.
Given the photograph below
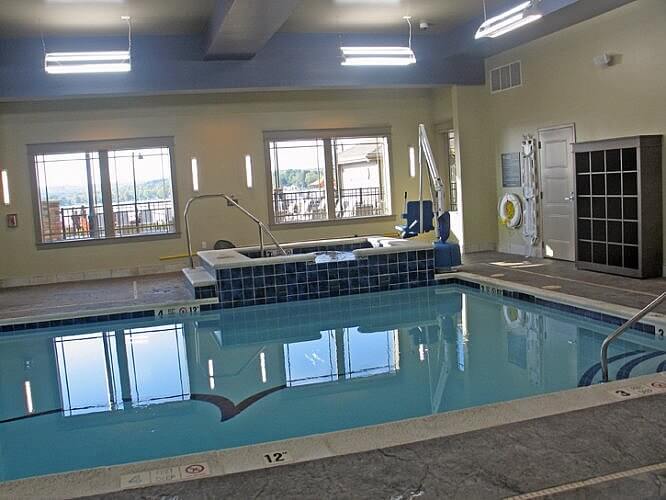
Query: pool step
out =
(201, 282)
(627, 364)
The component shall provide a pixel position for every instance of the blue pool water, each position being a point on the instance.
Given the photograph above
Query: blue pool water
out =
(114, 393)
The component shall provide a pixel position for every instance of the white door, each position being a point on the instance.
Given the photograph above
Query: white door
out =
(556, 170)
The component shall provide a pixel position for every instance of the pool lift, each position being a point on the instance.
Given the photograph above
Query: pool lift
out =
(447, 255)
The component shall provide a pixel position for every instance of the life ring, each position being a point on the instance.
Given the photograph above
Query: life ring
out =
(513, 317)
(510, 210)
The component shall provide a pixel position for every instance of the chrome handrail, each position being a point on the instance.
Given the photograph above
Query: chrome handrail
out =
(620, 330)
(261, 226)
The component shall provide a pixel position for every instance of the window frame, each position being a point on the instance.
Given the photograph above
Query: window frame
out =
(452, 168)
(327, 134)
(100, 146)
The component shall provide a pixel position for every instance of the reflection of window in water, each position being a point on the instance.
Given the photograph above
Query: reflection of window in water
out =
(344, 353)
(106, 370)
(157, 364)
(462, 335)
(88, 372)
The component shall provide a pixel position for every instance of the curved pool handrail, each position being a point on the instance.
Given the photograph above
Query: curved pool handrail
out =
(623, 328)
(261, 226)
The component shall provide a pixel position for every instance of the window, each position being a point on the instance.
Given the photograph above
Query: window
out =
(453, 170)
(328, 175)
(94, 191)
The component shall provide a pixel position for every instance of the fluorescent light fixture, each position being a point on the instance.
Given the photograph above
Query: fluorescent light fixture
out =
(412, 161)
(510, 20)
(380, 56)
(248, 171)
(422, 352)
(4, 179)
(195, 175)
(115, 61)
(211, 383)
(28, 397)
(377, 56)
(211, 368)
(262, 364)
(368, 2)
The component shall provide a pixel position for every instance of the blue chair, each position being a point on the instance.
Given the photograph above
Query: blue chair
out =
(447, 255)
(413, 215)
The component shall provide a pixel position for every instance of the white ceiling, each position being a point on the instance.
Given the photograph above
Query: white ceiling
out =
(380, 16)
(82, 17)
(87, 17)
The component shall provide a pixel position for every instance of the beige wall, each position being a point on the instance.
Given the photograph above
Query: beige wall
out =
(561, 85)
(219, 130)
(476, 179)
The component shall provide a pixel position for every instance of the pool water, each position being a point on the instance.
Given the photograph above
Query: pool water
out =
(114, 393)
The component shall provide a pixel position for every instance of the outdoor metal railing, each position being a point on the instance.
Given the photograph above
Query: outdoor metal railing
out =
(78, 223)
(310, 205)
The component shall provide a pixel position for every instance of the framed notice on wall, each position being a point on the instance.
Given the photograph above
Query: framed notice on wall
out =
(511, 170)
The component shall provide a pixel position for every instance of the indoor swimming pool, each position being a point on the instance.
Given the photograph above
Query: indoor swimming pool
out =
(102, 394)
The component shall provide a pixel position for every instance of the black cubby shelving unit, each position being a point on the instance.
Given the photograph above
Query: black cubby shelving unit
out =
(619, 206)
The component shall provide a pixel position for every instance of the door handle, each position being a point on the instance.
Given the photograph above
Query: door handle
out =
(571, 197)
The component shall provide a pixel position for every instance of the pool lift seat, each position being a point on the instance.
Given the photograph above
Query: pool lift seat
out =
(412, 216)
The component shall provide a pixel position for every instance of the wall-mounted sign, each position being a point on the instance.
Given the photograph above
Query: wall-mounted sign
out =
(511, 170)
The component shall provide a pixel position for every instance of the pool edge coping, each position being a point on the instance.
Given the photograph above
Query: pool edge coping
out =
(654, 318)
(219, 463)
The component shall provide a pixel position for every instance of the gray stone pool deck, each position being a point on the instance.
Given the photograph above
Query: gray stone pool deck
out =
(563, 277)
(498, 462)
(92, 296)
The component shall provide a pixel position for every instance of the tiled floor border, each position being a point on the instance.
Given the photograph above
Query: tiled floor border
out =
(222, 462)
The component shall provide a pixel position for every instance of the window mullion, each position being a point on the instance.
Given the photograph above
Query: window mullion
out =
(328, 167)
(105, 180)
(93, 231)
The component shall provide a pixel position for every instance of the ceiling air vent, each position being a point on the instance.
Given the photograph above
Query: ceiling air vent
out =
(505, 77)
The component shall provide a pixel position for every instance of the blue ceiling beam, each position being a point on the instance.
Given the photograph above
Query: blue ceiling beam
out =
(240, 28)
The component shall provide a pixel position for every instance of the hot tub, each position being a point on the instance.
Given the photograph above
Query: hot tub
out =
(314, 269)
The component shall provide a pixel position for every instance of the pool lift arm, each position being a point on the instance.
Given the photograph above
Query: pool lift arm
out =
(435, 183)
